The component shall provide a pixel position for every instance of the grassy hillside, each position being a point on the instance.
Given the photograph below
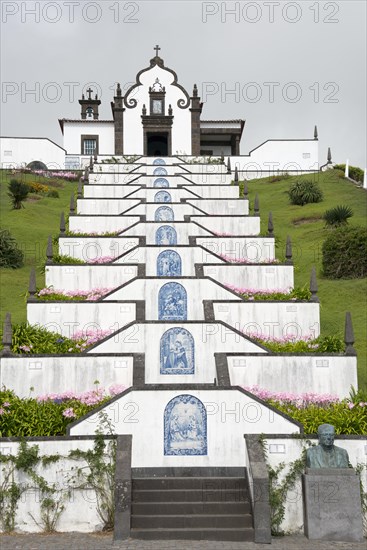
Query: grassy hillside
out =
(307, 231)
(40, 218)
(30, 226)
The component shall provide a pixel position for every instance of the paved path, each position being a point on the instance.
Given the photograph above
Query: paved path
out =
(77, 541)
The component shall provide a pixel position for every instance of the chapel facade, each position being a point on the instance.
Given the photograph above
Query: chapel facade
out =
(155, 117)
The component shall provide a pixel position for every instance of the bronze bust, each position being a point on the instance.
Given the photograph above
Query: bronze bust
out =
(326, 454)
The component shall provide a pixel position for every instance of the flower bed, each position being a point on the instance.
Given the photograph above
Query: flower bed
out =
(232, 260)
(50, 294)
(348, 416)
(282, 295)
(50, 414)
(291, 343)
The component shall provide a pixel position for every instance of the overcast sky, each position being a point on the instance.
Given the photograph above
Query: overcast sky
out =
(289, 65)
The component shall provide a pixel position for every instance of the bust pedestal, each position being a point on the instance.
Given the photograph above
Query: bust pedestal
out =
(332, 504)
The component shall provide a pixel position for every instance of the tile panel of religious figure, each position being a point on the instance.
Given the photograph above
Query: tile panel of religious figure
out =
(172, 302)
(169, 264)
(162, 196)
(161, 182)
(177, 352)
(164, 214)
(166, 235)
(160, 171)
(185, 427)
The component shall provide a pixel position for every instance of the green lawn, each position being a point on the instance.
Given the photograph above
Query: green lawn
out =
(307, 235)
(32, 225)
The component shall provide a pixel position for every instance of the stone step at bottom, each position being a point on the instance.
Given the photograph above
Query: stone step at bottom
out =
(181, 508)
(187, 521)
(206, 483)
(192, 495)
(222, 534)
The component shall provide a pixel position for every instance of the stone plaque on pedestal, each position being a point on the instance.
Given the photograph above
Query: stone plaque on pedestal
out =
(332, 504)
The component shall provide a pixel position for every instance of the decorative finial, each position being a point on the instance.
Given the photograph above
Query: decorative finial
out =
(329, 155)
(95, 156)
(349, 335)
(72, 204)
(49, 251)
(256, 205)
(313, 286)
(229, 166)
(91, 164)
(62, 224)
(270, 225)
(80, 187)
(288, 251)
(222, 157)
(86, 174)
(118, 90)
(315, 133)
(195, 91)
(236, 175)
(144, 110)
(245, 189)
(7, 337)
(32, 289)
(170, 112)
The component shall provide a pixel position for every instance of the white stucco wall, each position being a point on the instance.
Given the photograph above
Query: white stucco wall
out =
(190, 255)
(108, 191)
(68, 318)
(254, 249)
(91, 248)
(88, 277)
(230, 414)
(230, 225)
(209, 338)
(274, 319)
(101, 224)
(197, 290)
(74, 130)
(260, 277)
(183, 230)
(333, 374)
(55, 374)
(284, 155)
(80, 512)
(16, 152)
(133, 129)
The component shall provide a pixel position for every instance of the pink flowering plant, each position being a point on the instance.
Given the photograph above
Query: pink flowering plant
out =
(291, 343)
(50, 294)
(349, 416)
(234, 260)
(49, 414)
(290, 294)
(30, 339)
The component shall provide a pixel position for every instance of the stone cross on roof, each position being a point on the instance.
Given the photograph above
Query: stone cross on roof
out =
(157, 48)
(89, 91)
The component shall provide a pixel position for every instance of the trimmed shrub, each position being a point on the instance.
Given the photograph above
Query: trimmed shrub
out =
(304, 192)
(355, 173)
(338, 216)
(18, 192)
(344, 253)
(10, 255)
(53, 194)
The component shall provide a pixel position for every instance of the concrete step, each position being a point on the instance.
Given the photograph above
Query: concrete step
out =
(188, 521)
(178, 508)
(219, 534)
(207, 483)
(192, 495)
